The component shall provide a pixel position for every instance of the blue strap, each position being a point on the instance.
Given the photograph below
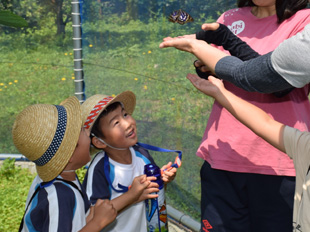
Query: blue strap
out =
(106, 164)
(46, 184)
(122, 188)
(154, 148)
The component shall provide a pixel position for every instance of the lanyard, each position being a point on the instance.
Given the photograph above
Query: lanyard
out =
(178, 159)
(106, 164)
(122, 188)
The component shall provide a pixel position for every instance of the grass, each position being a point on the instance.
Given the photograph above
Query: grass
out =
(14, 185)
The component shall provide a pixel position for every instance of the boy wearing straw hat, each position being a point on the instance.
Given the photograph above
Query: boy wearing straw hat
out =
(113, 130)
(51, 137)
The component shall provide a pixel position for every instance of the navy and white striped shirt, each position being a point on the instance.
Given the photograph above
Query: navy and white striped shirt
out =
(58, 207)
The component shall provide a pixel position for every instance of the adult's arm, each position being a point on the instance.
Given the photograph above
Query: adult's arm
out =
(241, 73)
(224, 37)
(287, 66)
(255, 75)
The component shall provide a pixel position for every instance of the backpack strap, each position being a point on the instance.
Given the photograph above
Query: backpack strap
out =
(44, 185)
(22, 222)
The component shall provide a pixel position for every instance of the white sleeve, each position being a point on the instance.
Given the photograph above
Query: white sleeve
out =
(291, 59)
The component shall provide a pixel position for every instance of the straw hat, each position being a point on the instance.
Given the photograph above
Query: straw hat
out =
(48, 134)
(94, 105)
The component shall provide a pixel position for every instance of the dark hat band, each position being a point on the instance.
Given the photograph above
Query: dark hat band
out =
(59, 134)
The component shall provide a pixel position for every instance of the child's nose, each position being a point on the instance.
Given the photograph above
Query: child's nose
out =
(127, 123)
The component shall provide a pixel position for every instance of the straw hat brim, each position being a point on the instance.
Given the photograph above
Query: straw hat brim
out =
(40, 122)
(127, 98)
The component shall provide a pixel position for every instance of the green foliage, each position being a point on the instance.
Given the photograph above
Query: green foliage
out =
(14, 186)
(7, 18)
(81, 173)
(7, 169)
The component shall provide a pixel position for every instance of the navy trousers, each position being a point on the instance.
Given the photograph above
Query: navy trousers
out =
(245, 202)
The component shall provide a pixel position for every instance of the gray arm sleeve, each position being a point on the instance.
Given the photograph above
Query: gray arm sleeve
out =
(255, 75)
(291, 59)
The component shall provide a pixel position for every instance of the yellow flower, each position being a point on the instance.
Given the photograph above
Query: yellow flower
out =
(5, 86)
(0, 90)
(63, 79)
(73, 78)
(136, 79)
(149, 52)
(143, 53)
(173, 99)
(145, 87)
(10, 83)
(90, 45)
(113, 95)
(66, 54)
(15, 81)
(70, 53)
(2, 84)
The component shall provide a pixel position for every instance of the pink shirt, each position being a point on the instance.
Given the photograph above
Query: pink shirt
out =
(229, 145)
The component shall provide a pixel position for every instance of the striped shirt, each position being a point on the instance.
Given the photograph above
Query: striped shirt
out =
(58, 207)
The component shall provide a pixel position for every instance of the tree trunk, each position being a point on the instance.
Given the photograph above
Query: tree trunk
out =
(100, 8)
(61, 25)
(132, 9)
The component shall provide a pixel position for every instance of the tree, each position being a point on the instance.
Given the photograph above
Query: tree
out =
(62, 11)
(132, 9)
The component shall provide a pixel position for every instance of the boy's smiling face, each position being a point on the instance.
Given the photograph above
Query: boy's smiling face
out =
(119, 128)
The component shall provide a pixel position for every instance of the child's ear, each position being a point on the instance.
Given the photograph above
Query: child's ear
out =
(97, 143)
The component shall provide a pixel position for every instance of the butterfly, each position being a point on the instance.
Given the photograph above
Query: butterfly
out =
(180, 16)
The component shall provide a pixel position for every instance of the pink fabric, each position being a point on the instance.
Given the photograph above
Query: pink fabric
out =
(229, 145)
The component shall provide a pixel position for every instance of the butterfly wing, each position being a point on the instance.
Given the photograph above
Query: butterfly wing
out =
(173, 17)
(184, 17)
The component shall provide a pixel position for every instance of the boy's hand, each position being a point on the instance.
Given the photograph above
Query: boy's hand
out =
(142, 187)
(104, 213)
(168, 173)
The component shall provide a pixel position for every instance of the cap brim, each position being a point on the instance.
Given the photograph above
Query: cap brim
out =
(127, 98)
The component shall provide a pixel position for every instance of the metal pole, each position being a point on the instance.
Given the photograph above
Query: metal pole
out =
(183, 219)
(77, 49)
